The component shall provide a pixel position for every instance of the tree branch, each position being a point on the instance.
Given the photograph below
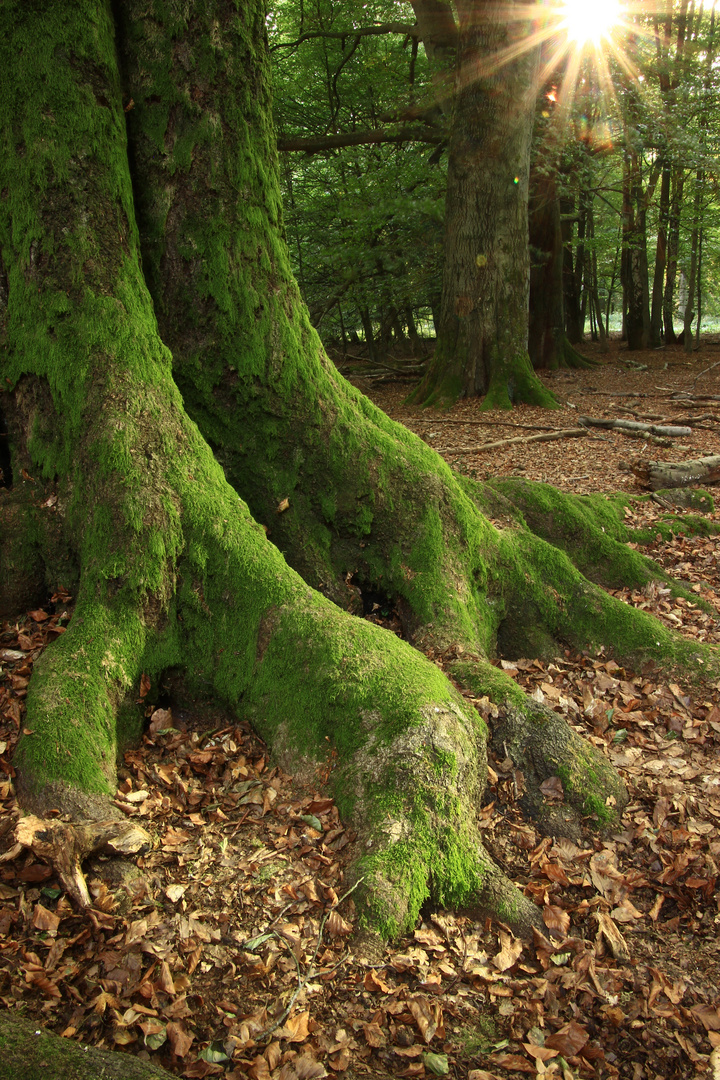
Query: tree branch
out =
(363, 31)
(315, 144)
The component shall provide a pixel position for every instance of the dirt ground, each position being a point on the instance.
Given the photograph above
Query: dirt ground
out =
(227, 948)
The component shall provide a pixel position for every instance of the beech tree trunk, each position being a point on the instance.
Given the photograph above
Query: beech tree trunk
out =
(548, 344)
(634, 258)
(482, 341)
(661, 257)
(120, 246)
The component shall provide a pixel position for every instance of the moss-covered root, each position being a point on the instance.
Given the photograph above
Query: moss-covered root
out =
(77, 718)
(409, 755)
(542, 745)
(27, 1052)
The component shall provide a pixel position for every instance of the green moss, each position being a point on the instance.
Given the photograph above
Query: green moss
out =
(485, 680)
(29, 1051)
(583, 786)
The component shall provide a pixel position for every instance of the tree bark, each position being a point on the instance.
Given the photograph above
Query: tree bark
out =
(658, 475)
(635, 263)
(482, 343)
(661, 255)
(678, 184)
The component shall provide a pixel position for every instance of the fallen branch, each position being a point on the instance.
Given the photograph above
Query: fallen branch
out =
(550, 436)
(705, 372)
(635, 427)
(674, 474)
(480, 423)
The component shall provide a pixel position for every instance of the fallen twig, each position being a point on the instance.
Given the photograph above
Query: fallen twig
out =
(700, 375)
(550, 436)
(311, 966)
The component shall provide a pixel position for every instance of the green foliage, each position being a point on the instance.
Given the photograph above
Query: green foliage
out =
(364, 224)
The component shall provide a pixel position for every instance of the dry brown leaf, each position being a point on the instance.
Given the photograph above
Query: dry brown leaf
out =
(337, 926)
(259, 1070)
(654, 911)
(569, 1039)
(510, 949)
(617, 943)
(179, 1039)
(708, 1016)
(626, 912)
(542, 1053)
(306, 1067)
(552, 789)
(373, 982)
(39, 979)
(428, 1016)
(295, 1028)
(166, 979)
(160, 720)
(513, 1062)
(554, 872)
(374, 1035)
(556, 919)
(340, 1060)
(45, 920)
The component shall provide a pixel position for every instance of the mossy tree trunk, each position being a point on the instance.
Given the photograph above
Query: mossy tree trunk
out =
(112, 437)
(482, 342)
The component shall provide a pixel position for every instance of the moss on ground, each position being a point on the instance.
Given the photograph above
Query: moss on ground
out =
(28, 1052)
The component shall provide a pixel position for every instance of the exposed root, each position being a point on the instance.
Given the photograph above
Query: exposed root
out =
(65, 845)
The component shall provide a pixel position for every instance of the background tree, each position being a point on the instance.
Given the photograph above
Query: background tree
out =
(649, 131)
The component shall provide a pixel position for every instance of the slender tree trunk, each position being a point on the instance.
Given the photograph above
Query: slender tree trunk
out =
(482, 346)
(656, 315)
(689, 315)
(611, 286)
(571, 294)
(547, 342)
(678, 184)
(596, 307)
(635, 262)
(699, 288)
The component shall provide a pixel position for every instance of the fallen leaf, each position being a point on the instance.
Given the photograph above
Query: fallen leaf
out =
(509, 952)
(45, 920)
(295, 1028)
(556, 919)
(568, 1040)
(179, 1039)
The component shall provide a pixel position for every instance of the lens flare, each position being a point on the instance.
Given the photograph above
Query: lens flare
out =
(586, 23)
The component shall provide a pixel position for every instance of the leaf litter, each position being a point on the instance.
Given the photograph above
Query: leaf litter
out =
(227, 949)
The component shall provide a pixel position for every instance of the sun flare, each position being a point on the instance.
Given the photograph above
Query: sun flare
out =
(587, 23)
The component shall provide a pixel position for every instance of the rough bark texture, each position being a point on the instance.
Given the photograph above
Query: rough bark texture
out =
(482, 344)
(548, 345)
(125, 503)
(659, 475)
(634, 256)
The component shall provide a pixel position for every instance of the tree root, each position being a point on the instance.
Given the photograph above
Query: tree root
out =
(65, 845)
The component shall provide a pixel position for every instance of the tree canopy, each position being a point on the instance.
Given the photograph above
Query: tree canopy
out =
(624, 134)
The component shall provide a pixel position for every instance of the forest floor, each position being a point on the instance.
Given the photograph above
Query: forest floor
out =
(227, 948)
